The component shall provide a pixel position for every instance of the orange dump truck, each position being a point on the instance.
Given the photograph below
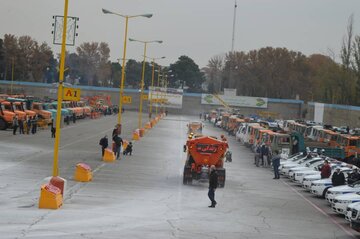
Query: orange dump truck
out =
(195, 127)
(6, 118)
(201, 154)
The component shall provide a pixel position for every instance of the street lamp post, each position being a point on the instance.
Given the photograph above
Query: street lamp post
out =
(157, 93)
(12, 75)
(152, 83)
(143, 75)
(124, 55)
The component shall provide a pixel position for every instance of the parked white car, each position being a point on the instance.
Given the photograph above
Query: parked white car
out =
(350, 209)
(303, 166)
(355, 217)
(309, 165)
(340, 190)
(320, 187)
(309, 179)
(340, 202)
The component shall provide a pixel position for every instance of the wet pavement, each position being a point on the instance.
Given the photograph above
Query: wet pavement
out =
(142, 196)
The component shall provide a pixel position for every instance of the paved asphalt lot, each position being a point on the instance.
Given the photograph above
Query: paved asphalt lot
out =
(142, 196)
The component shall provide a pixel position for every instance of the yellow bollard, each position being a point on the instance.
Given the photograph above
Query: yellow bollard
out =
(136, 135)
(50, 197)
(109, 155)
(148, 125)
(125, 144)
(142, 132)
(83, 173)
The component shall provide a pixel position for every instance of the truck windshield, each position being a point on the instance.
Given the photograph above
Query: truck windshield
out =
(8, 107)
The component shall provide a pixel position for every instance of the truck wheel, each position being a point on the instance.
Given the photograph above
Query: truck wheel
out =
(187, 175)
(3, 124)
(184, 179)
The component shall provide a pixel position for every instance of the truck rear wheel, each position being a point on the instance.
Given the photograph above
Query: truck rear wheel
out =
(187, 176)
(221, 177)
(3, 124)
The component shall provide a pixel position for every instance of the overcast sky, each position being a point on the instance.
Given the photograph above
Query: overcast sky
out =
(199, 29)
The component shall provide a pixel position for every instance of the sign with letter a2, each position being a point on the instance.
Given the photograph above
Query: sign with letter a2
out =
(71, 94)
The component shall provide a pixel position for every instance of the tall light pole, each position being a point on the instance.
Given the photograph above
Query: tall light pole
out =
(124, 55)
(233, 33)
(12, 74)
(60, 91)
(157, 94)
(143, 75)
(152, 82)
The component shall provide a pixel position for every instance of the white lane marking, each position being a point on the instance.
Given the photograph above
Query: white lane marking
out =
(320, 210)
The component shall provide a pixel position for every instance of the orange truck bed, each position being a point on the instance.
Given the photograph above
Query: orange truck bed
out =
(206, 150)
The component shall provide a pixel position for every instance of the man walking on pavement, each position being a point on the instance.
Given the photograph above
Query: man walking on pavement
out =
(213, 183)
(276, 164)
(15, 124)
(104, 144)
(118, 142)
(21, 126)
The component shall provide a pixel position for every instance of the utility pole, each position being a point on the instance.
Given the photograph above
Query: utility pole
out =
(232, 49)
(233, 33)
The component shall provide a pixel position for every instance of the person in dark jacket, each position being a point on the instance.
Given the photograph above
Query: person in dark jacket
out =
(338, 178)
(325, 170)
(128, 150)
(118, 143)
(104, 144)
(15, 124)
(353, 176)
(264, 155)
(276, 164)
(53, 131)
(21, 126)
(116, 130)
(213, 183)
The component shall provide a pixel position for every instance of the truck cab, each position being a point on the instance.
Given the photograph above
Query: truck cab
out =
(6, 117)
(8, 106)
(37, 107)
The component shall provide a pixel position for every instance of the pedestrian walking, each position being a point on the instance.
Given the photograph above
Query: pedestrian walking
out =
(104, 144)
(200, 116)
(74, 117)
(118, 143)
(116, 130)
(213, 183)
(325, 170)
(67, 119)
(21, 126)
(28, 125)
(53, 131)
(264, 155)
(338, 178)
(15, 124)
(34, 124)
(276, 164)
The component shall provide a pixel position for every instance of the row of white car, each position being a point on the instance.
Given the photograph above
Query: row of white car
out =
(304, 170)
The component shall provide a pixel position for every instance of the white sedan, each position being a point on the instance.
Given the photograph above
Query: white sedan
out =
(340, 190)
(350, 209)
(341, 202)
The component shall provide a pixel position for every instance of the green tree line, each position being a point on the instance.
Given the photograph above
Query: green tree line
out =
(24, 59)
(283, 73)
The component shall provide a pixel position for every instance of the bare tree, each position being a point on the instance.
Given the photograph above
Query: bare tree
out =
(346, 48)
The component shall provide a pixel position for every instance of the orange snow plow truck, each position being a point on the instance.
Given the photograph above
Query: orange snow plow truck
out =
(202, 152)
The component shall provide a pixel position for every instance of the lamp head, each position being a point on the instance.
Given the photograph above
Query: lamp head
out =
(106, 11)
(147, 15)
(159, 42)
(130, 39)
